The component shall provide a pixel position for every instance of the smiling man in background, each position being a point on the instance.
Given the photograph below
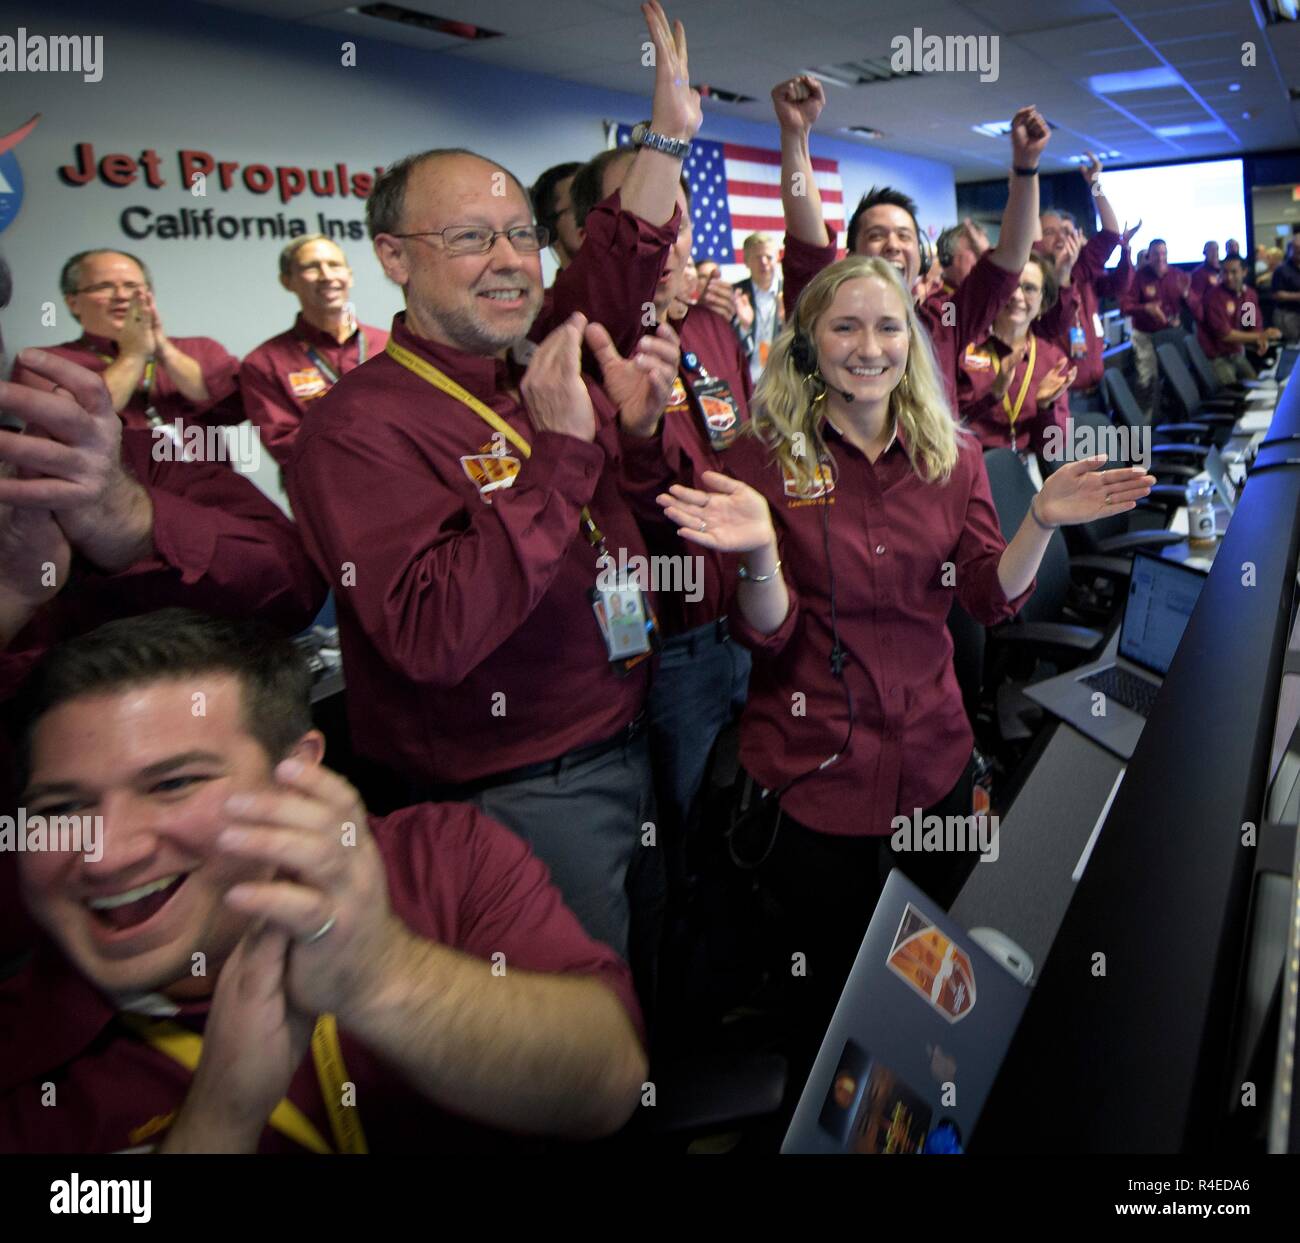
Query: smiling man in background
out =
(283, 376)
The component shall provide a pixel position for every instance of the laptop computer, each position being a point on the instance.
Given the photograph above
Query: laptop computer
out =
(1110, 699)
(917, 1039)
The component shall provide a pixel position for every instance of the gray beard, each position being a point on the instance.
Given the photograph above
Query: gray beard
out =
(471, 335)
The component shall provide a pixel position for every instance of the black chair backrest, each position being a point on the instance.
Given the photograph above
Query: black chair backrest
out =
(1180, 379)
(1120, 399)
(1200, 366)
(1013, 493)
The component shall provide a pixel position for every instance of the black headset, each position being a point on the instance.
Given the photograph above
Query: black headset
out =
(927, 250)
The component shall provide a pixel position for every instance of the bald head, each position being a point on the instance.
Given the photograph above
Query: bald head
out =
(386, 206)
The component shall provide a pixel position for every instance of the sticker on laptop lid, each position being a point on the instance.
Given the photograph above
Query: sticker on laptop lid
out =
(932, 965)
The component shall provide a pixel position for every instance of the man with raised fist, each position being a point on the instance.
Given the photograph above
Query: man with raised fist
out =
(885, 224)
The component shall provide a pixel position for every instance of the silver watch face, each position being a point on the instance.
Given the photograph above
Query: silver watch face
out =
(638, 133)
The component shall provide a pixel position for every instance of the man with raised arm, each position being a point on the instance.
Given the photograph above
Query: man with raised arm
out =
(885, 224)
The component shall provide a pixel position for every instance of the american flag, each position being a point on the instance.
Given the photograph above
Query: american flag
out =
(736, 191)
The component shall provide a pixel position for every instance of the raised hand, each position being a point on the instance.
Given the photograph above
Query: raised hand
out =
(1129, 233)
(719, 297)
(1008, 368)
(726, 514)
(1081, 492)
(1060, 377)
(253, 1043)
(137, 335)
(743, 308)
(1029, 135)
(798, 102)
(329, 894)
(676, 111)
(1068, 256)
(70, 460)
(976, 238)
(552, 388)
(641, 385)
(1091, 170)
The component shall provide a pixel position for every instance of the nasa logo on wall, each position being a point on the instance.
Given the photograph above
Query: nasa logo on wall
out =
(11, 175)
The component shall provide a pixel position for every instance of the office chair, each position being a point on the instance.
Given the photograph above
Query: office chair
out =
(1217, 415)
(1171, 460)
(1122, 534)
(1049, 634)
(1207, 381)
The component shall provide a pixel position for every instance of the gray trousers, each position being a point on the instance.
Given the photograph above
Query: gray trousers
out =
(1231, 368)
(585, 823)
(1146, 371)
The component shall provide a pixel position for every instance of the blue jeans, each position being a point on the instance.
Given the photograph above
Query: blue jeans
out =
(699, 688)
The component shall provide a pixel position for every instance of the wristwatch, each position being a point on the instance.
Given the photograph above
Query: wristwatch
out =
(644, 136)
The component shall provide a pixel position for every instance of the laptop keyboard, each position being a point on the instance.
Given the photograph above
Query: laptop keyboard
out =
(1136, 694)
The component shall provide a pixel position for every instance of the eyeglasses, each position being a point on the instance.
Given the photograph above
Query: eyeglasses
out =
(469, 239)
(130, 288)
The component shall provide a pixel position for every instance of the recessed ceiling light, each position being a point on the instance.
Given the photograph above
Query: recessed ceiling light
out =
(993, 129)
(862, 131)
(1139, 80)
(1234, 87)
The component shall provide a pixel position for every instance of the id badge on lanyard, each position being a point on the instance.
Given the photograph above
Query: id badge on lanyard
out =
(627, 623)
(1078, 340)
(718, 405)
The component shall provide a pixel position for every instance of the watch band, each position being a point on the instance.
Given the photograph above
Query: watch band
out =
(644, 136)
(1025, 172)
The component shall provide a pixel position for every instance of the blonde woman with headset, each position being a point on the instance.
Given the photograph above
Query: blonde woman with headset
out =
(860, 512)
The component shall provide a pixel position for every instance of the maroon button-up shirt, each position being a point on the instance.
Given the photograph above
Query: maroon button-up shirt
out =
(1222, 312)
(1148, 287)
(683, 445)
(454, 877)
(469, 639)
(1079, 303)
(613, 276)
(1202, 278)
(891, 537)
(220, 546)
(220, 375)
(952, 322)
(280, 381)
(987, 415)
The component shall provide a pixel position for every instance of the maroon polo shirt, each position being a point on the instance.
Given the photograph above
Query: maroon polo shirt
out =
(454, 877)
(987, 415)
(464, 589)
(280, 380)
(613, 276)
(1222, 312)
(891, 535)
(1202, 278)
(220, 546)
(220, 373)
(709, 349)
(1148, 287)
(1078, 305)
(952, 322)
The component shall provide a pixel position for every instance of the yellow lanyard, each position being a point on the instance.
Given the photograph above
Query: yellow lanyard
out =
(186, 1047)
(444, 383)
(1013, 413)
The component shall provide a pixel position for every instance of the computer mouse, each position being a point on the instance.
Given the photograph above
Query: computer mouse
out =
(1002, 948)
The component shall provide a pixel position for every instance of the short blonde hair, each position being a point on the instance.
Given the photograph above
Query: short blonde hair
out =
(788, 408)
(755, 240)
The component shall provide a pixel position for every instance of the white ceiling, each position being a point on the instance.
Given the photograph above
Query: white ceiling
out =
(1048, 49)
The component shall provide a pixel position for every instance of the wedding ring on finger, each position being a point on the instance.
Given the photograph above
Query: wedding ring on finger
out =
(704, 526)
(320, 932)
